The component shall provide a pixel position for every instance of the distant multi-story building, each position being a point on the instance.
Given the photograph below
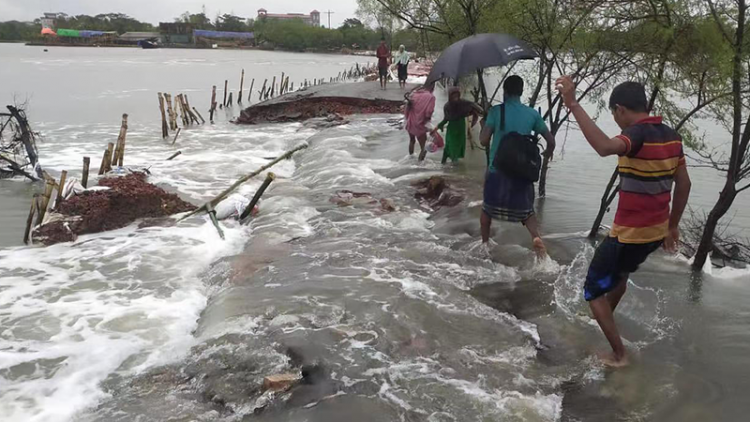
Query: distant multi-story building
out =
(49, 19)
(313, 19)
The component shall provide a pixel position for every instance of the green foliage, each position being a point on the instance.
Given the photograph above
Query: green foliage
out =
(296, 35)
(117, 22)
(19, 31)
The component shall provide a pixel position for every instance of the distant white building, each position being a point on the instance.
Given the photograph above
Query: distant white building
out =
(313, 19)
(49, 19)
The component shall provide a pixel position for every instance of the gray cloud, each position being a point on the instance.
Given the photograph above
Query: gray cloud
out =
(155, 11)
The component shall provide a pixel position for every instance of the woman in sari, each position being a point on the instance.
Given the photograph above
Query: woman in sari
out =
(455, 113)
(419, 108)
(402, 65)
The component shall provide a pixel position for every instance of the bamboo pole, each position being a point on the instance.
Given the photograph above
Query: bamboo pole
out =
(230, 100)
(174, 155)
(103, 165)
(250, 93)
(212, 215)
(203, 121)
(85, 176)
(242, 83)
(212, 107)
(120, 149)
(226, 84)
(262, 90)
(108, 157)
(48, 188)
(176, 135)
(183, 115)
(281, 84)
(164, 127)
(61, 188)
(172, 112)
(273, 87)
(244, 179)
(189, 110)
(30, 219)
(248, 211)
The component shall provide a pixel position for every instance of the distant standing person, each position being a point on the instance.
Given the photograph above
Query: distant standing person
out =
(507, 198)
(402, 65)
(650, 160)
(383, 55)
(455, 113)
(419, 108)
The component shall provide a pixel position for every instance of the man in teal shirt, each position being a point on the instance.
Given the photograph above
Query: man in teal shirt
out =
(507, 198)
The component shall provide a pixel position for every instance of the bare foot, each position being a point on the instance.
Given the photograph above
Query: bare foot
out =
(539, 248)
(422, 155)
(609, 359)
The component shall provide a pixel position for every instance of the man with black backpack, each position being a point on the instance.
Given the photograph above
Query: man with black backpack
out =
(513, 162)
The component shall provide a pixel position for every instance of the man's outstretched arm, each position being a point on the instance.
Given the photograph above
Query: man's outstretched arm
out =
(602, 144)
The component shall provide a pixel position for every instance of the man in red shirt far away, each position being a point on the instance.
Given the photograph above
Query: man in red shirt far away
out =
(383, 55)
(650, 161)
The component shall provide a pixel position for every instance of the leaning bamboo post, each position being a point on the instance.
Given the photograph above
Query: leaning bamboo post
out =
(48, 188)
(120, 149)
(273, 87)
(103, 165)
(244, 179)
(164, 127)
(85, 176)
(242, 83)
(61, 188)
(176, 135)
(189, 110)
(212, 215)
(248, 211)
(30, 219)
(250, 93)
(263, 90)
(110, 151)
(226, 84)
(199, 116)
(183, 115)
(174, 155)
(212, 107)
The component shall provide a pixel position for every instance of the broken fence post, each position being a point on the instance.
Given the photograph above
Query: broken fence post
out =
(226, 84)
(61, 188)
(30, 219)
(250, 93)
(176, 135)
(174, 155)
(85, 176)
(249, 210)
(244, 179)
(120, 146)
(242, 83)
(103, 165)
(199, 115)
(48, 188)
(212, 215)
(212, 107)
(164, 127)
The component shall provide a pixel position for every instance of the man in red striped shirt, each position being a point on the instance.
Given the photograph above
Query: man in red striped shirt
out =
(650, 161)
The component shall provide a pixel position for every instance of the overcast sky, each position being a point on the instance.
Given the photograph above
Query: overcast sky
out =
(155, 11)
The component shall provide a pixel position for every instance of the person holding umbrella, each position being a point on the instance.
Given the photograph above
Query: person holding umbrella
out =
(506, 197)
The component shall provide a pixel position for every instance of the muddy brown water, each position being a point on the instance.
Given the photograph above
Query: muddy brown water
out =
(391, 315)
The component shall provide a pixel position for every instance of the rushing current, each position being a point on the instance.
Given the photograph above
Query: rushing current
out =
(394, 316)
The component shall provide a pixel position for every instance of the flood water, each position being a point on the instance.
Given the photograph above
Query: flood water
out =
(396, 315)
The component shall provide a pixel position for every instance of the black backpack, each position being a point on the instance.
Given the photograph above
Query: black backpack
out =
(518, 155)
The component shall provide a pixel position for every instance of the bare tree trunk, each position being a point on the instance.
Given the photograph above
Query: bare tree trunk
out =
(726, 198)
(607, 198)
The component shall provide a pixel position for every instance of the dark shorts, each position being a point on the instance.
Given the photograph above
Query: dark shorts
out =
(383, 71)
(506, 198)
(611, 260)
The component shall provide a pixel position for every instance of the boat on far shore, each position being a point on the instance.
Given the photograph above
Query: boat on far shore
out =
(147, 45)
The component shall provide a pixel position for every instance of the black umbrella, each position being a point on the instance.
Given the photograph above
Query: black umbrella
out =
(479, 52)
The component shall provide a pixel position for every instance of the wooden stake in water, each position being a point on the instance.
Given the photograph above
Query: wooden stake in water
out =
(242, 83)
(120, 148)
(226, 84)
(248, 211)
(110, 151)
(230, 100)
(30, 220)
(199, 115)
(262, 90)
(174, 155)
(164, 127)
(250, 93)
(61, 188)
(172, 113)
(212, 108)
(85, 176)
(48, 188)
(103, 165)
(212, 215)
(273, 86)
(176, 135)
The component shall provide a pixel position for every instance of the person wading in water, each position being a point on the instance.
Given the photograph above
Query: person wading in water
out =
(383, 55)
(419, 108)
(651, 160)
(455, 113)
(508, 198)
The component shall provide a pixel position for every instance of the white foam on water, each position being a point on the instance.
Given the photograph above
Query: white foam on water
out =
(120, 301)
